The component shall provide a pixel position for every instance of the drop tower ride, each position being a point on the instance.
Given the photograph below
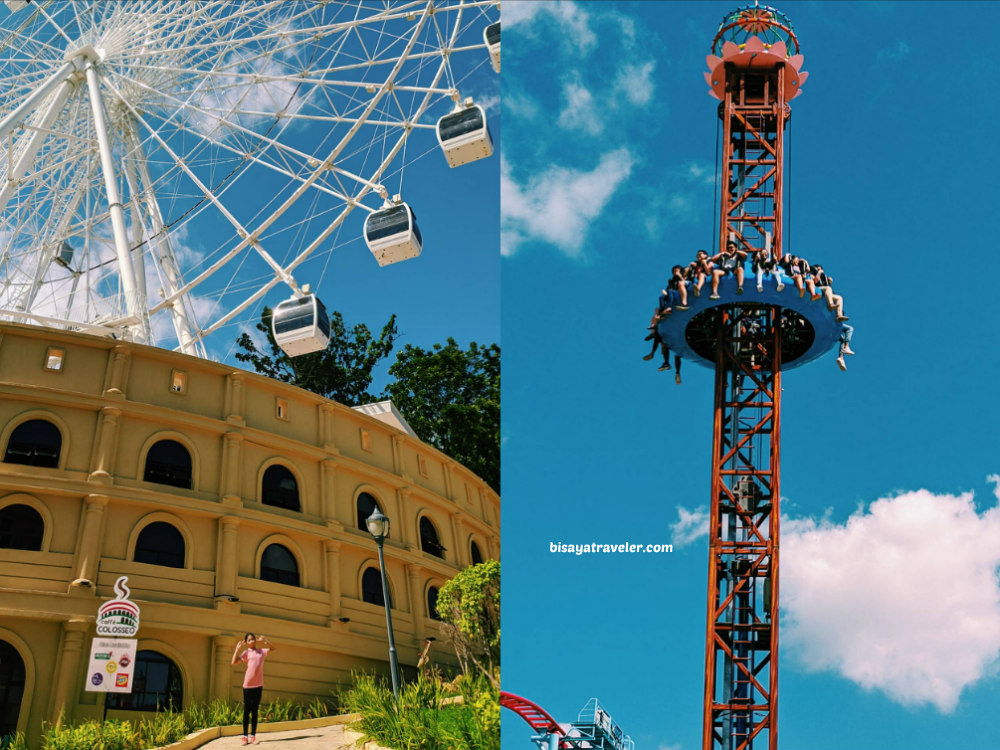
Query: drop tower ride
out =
(749, 336)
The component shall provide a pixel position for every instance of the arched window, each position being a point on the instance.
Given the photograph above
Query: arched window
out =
(36, 442)
(366, 506)
(429, 542)
(475, 554)
(432, 603)
(279, 488)
(156, 685)
(12, 678)
(21, 527)
(168, 462)
(371, 587)
(160, 543)
(278, 564)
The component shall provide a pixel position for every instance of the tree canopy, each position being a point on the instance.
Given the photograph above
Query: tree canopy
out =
(342, 372)
(469, 606)
(451, 398)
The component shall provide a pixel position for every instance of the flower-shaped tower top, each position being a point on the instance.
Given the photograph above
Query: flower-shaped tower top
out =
(756, 36)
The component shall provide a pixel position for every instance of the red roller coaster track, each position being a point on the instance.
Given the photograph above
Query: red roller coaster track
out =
(535, 715)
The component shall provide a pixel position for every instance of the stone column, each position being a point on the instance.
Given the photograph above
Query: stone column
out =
(222, 647)
(227, 561)
(105, 442)
(88, 547)
(326, 410)
(233, 408)
(416, 601)
(329, 507)
(230, 490)
(65, 687)
(114, 378)
(397, 453)
(405, 524)
(332, 575)
(461, 556)
(449, 481)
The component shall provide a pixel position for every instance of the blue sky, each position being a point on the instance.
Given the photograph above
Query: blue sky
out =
(890, 548)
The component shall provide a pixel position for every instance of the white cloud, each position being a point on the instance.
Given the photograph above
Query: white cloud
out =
(245, 95)
(519, 105)
(573, 19)
(580, 110)
(895, 53)
(690, 526)
(902, 598)
(558, 205)
(637, 82)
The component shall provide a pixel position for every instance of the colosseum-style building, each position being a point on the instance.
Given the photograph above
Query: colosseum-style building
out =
(232, 502)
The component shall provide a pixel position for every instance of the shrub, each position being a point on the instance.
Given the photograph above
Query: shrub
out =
(163, 728)
(422, 719)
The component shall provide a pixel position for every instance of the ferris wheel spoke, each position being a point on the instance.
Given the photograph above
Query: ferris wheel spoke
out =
(303, 157)
(249, 239)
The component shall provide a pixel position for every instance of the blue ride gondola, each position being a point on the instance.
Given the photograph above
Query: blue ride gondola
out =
(301, 325)
(464, 135)
(392, 234)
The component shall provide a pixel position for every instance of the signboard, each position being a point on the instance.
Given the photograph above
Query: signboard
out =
(112, 658)
(112, 662)
(118, 618)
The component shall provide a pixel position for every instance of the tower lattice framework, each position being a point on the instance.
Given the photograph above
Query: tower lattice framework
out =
(753, 80)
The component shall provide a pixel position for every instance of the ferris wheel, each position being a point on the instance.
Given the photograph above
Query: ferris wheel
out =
(164, 164)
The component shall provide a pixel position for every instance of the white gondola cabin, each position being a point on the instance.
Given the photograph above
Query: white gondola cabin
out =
(301, 325)
(491, 35)
(464, 135)
(64, 255)
(392, 235)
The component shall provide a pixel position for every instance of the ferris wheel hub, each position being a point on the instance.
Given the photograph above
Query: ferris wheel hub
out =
(87, 52)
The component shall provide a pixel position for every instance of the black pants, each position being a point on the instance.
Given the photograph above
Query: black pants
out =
(251, 708)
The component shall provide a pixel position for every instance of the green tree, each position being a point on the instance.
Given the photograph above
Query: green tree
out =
(342, 372)
(451, 398)
(469, 606)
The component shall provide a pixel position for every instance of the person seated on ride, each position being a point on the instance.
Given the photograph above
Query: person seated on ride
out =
(728, 261)
(678, 285)
(700, 269)
(807, 275)
(764, 262)
(824, 284)
(797, 270)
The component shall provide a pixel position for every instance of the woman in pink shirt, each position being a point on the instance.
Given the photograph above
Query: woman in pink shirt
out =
(253, 682)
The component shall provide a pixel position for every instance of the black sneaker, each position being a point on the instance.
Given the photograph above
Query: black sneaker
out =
(664, 366)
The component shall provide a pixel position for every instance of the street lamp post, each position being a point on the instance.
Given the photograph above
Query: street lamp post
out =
(378, 527)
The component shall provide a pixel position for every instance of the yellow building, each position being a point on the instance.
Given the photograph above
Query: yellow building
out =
(233, 503)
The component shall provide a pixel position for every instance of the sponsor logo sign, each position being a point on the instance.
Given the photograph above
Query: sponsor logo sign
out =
(112, 662)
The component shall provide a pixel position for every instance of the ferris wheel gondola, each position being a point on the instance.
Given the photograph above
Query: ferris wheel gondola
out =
(464, 135)
(491, 35)
(392, 234)
(301, 325)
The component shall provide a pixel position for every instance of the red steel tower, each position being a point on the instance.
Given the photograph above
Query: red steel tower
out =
(749, 335)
